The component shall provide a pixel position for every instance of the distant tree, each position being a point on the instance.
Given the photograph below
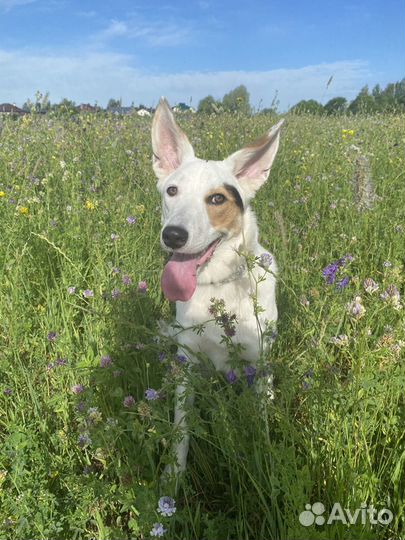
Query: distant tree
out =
(208, 105)
(41, 103)
(237, 100)
(310, 106)
(114, 104)
(65, 106)
(336, 105)
(363, 103)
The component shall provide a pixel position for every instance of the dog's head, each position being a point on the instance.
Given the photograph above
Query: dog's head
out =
(203, 201)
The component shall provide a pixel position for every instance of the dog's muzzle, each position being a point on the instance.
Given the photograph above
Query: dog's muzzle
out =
(174, 237)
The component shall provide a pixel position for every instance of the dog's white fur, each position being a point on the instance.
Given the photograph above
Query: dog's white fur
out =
(176, 165)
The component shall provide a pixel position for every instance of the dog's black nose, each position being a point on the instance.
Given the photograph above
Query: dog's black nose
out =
(174, 237)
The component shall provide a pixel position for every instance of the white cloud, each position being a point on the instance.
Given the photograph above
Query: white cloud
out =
(152, 34)
(97, 76)
(7, 5)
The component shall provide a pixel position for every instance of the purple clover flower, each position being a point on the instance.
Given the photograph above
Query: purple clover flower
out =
(105, 361)
(158, 530)
(250, 373)
(231, 376)
(181, 358)
(166, 506)
(84, 440)
(52, 337)
(129, 401)
(151, 394)
(71, 290)
(266, 260)
(126, 280)
(115, 293)
(88, 293)
(343, 283)
(77, 389)
(131, 220)
(142, 287)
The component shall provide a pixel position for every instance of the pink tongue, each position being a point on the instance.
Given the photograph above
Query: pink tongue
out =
(179, 278)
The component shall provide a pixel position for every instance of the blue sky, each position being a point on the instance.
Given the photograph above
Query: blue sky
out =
(138, 50)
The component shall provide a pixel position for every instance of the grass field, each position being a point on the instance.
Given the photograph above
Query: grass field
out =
(82, 446)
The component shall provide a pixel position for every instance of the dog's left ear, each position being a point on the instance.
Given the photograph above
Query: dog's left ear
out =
(251, 165)
(170, 144)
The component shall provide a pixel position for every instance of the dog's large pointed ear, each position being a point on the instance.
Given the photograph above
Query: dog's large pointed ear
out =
(170, 145)
(251, 165)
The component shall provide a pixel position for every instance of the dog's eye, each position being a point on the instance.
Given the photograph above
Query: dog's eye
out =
(171, 191)
(216, 199)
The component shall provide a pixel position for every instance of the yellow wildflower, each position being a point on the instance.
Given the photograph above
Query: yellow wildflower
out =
(2, 194)
(90, 205)
(140, 209)
(23, 210)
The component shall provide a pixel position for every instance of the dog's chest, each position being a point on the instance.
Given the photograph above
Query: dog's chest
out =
(237, 296)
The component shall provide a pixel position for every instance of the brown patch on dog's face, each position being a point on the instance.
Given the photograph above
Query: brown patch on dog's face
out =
(225, 208)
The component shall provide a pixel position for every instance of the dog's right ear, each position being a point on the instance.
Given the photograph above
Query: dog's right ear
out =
(170, 145)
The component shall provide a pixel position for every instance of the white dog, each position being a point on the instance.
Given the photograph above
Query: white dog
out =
(207, 224)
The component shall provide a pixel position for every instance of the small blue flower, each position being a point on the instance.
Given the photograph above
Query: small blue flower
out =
(151, 394)
(166, 506)
(157, 530)
(181, 358)
(266, 260)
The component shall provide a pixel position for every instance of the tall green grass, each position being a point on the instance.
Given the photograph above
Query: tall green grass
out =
(85, 461)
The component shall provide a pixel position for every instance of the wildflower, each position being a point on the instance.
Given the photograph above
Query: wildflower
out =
(114, 237)
(329, 273)
(139, 209)
(7, 391)
(105, 361)
(129, 401)
(88, 293)
(94, 416)
(71, 290)
(126, 280)
(356, 308)
(392, 296)
(115, 293)
(90, 205)
(116, 270)
(387, 264)
(250, 373)
(61, 362)
(23, 210)
(370, 286)
(266, 260)
(343, 283)
(2, 194)
(158, 530)
(77, 388)
(151, 394)
(340, 341)
(131, 220)
(84, 440)
(181, 358)
(308, 379)
(231, 376)
(142, 287)
(144, 410)
(166, 506)
(52, 336)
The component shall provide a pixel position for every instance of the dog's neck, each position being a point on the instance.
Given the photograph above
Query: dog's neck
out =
(226, 264)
